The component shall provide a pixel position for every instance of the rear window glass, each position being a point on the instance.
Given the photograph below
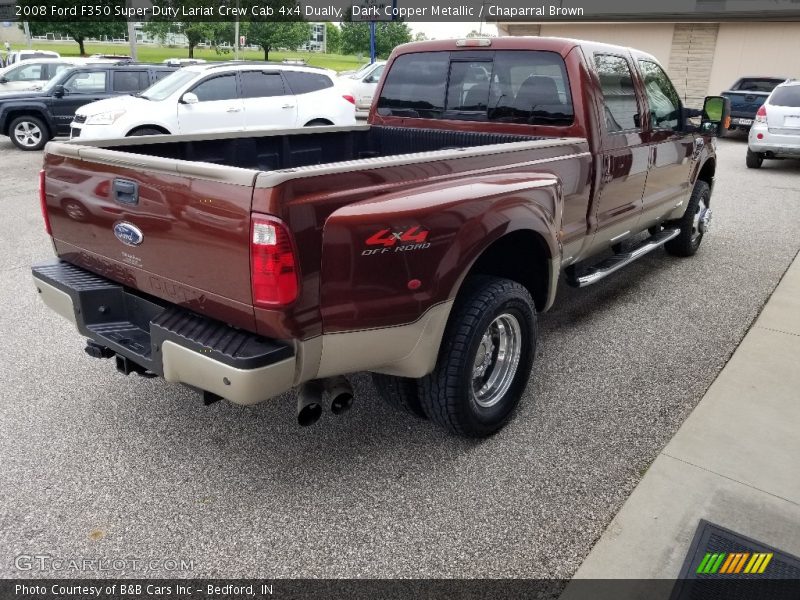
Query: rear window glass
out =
(786, 96)
(131, 81)
(757, 85)
(303, 83)
(526, 87)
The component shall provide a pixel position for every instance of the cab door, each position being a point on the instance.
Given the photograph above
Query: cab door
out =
(624, 154)
(219, 106)
(672, 149)
(81, 87)
(267, 101)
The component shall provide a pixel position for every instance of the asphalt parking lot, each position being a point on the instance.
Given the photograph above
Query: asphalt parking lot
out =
(95, 464)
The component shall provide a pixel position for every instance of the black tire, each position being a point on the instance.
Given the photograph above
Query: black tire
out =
(401, 393)
(318, 123)
(75, 210)
(447, 394)
(688, 240)
(753, 160)
(145, 131)
(37, 133)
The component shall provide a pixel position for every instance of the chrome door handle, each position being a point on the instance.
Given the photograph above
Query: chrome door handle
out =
(233, 109)
(288, 106)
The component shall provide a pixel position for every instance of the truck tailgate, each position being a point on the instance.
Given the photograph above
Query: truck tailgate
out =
(165, 229)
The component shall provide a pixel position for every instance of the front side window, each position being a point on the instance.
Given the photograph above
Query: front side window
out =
(217, 88)
(525, 87)
(663, 100)
(619, 95)
(91, 82)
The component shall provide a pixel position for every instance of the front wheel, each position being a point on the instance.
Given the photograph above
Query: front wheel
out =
(485, 359)
(693, 224)
(28, 133)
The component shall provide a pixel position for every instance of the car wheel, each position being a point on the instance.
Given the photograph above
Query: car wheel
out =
(401, 393)
(753, 160)
(145, 131)
(75, 210)
(693, 224)
(28, 133)
(485, 359)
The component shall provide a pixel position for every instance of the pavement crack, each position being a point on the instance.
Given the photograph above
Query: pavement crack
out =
(686, 462)
(778, 330)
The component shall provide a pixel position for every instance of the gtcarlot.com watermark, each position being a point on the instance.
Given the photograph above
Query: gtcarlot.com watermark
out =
(46, 563)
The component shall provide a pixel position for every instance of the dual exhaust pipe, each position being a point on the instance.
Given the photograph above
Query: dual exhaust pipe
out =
(310, 398)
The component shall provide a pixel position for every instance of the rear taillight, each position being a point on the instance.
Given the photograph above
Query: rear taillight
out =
(273, 265)
(43, 203)
(349, 98)
(761, 115)
(102, 189)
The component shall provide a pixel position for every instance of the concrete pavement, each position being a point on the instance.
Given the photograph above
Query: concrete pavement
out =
(734, 461)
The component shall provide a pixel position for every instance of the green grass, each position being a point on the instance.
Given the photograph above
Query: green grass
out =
(157, 54)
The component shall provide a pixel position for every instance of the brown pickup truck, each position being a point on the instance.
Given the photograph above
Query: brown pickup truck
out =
(419, 247)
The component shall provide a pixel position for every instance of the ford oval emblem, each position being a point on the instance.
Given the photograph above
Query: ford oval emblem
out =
(128, 233)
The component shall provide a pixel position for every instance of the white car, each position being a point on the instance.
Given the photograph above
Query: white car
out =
(32, 74)
(776, 131)
(221, 97)
(20, 55)
(362, 84)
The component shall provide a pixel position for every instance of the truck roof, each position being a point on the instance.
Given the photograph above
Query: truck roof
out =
(552, 44)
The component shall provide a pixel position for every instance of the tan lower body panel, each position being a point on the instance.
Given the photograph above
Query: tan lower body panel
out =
(406, 350)
(244, 386)
(56, 300)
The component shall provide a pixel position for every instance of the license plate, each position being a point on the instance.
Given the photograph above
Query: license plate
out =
(792, 121)
(743, 121)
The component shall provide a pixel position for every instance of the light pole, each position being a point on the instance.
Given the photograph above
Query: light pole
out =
(236, 34)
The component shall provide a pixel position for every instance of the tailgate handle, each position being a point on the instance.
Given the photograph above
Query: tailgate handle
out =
(125, 191)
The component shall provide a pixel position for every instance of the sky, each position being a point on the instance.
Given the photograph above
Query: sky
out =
(441, 31)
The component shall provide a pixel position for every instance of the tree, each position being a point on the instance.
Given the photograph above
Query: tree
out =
(420, 37)
(388, 35)
(271, 35)
(333, 38)
(195, 31)
(477, 34)
(78, 30)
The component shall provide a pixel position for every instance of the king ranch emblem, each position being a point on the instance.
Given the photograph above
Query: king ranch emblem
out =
(387, 240)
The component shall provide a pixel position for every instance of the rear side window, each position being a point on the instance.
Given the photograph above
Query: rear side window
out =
(788, 95)
(159, 75)
(130, 81)
(256, 84)
(27, 73)
(218, 88)
(619, 95)
(526, 87)
(303, 83)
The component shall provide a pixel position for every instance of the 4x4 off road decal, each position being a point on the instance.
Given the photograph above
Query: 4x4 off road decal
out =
(406, 240)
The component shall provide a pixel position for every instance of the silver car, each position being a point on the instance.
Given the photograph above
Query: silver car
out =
(776, 130)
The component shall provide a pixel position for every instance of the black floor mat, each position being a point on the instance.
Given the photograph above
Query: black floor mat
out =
(722, 564)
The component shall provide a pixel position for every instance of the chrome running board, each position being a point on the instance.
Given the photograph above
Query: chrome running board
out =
(588, 276)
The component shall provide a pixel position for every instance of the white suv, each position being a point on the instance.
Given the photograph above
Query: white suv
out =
(221, 97)
(776, 130)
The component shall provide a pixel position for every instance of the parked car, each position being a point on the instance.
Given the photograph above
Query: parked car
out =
(233, 96)
(419, 247)
(776, 131)
(20, 55)
(746, 96)
(32, 74)
(32, 118)
(183, 62)
(362, 85)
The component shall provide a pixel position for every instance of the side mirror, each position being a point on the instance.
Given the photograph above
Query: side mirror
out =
(190, 98)
(716, 116)
(59, 91)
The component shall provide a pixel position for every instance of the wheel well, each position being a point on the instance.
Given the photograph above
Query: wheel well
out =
(521, 256)
(708, 170)
(156, 127)
(318, 122)
(13, 114)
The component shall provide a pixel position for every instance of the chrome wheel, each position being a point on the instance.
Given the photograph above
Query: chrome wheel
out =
(27, 134)
(74, 211)
(701, 221)
(496, 360)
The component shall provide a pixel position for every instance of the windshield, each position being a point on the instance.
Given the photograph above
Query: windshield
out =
(167, 86)
(360, 71)
(57, 80)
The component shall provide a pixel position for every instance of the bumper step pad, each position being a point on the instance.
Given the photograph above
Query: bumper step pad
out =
(136, 326)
